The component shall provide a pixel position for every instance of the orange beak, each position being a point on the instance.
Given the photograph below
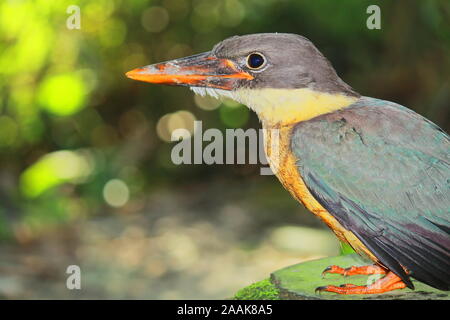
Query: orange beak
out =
(201, 70)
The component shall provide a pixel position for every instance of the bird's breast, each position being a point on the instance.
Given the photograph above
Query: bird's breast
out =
(277, 144)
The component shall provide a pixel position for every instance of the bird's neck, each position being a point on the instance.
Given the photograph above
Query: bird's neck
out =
(288, 106)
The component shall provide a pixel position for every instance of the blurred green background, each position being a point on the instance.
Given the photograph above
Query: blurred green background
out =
(85, 170)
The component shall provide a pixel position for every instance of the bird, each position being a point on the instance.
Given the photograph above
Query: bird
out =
(375, 172)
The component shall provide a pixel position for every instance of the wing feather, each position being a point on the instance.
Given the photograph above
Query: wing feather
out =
(383, 172)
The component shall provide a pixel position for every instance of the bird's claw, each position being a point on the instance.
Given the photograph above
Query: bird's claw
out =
(333, 269)
(320, 289)
(325, 271)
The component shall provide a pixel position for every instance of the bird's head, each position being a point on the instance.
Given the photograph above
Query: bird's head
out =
(280, 76)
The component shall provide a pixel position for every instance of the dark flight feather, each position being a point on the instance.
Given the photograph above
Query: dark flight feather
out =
(383, 172)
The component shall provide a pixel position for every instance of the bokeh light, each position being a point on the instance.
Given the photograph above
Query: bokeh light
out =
(54, 169)
(206, 102)
(155, 19)
(62, 94)
(234, 115)
(172, 121)
(116, 193)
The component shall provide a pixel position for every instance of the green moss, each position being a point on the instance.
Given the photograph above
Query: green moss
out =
(261, 290)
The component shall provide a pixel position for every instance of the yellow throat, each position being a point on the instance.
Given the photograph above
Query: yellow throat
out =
(289, 106)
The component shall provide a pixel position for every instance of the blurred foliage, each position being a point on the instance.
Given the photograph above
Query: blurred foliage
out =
(77, 138)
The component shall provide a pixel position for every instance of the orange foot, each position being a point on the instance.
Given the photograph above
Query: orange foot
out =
(388, 283)
(372, 269)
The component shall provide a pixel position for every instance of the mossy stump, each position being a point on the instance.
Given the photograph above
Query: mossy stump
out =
(298, 282)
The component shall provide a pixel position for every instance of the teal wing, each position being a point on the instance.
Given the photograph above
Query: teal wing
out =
(383, 172)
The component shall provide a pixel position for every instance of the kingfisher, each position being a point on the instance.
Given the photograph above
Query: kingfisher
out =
(375, 172)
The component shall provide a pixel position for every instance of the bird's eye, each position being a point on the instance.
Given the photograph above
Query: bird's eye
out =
(255, 60)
